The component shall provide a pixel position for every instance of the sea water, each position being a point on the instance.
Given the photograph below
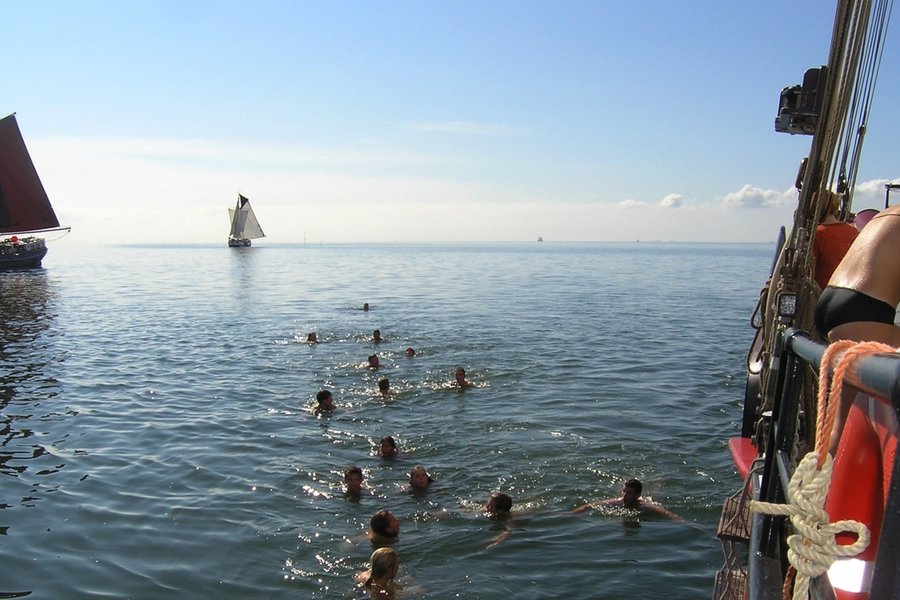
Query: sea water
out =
(157, 438)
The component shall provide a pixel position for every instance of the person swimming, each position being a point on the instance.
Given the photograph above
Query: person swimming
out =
(378, 580)
(631, 500)
(324, 400)
(499, 507)
(388, 447)
(419, 479)
(353, 482)
(384, 528)
(460, 381)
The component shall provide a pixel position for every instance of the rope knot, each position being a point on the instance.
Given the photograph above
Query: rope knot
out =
(813, 548)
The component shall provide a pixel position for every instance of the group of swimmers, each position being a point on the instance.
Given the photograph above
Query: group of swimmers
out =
(378, 581)
(384, 527)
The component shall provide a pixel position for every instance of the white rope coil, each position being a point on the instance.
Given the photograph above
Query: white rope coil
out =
(813, 549)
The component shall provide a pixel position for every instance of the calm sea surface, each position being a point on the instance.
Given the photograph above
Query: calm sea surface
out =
(156, 437)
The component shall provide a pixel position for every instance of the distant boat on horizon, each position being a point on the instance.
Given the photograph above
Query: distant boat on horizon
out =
(244, 226)
(24, 206)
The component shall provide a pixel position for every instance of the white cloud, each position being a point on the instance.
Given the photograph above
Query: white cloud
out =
(672, 201)
(754, 197)
(632, 203)
(870, 194)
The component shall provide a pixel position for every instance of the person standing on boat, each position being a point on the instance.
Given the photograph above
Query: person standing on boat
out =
(833, 239)
(631, 500)
(860, 302)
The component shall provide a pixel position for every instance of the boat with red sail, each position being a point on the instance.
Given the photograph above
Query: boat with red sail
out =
(25, 209)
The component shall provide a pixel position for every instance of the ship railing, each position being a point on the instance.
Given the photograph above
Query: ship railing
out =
(877, 376)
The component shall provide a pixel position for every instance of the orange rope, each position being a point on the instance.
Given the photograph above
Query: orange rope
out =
(830, 400)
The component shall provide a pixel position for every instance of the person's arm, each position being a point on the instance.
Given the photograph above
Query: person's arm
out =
(503, 535)
(656, 508)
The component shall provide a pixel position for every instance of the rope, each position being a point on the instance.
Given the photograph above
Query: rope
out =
(813, 549)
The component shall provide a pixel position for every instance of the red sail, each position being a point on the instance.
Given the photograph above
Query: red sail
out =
(24, 206)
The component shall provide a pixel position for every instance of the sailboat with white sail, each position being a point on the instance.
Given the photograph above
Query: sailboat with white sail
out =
(244, 226)
(24, 206)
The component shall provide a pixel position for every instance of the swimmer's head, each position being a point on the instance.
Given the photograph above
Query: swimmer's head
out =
(388, 447)
(384, 523)
(325, 399)
(631, 493)
(353, 478)
(419, 477)
(498, 503)
(385, 563)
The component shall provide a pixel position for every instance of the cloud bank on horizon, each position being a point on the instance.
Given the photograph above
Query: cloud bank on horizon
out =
(177, 191)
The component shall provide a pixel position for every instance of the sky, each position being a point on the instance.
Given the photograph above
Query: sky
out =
(424, 121)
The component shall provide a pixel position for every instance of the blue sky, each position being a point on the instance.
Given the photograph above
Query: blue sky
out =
(424, 121)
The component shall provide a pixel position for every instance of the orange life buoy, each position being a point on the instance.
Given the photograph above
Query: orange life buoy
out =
(859, 484)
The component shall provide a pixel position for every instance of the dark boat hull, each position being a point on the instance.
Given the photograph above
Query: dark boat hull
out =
(24, 254)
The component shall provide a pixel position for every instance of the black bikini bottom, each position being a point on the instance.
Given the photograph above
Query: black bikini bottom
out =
(839, 305)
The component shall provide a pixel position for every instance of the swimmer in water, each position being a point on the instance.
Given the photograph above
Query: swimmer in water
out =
(376, 336)
(631, 500)
(353, 481)
(460, 380)
(384, 386)
(325, 401)
(419, 479)
(498, 507)
(311, 337)
(388, 447)
(384, 529)
(374, 363)
(378, 580)
(410, 352)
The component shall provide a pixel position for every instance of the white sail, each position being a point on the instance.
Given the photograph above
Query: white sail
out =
(244, 225)
(252, 230)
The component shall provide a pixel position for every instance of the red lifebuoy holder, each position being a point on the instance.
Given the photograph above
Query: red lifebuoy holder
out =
(859, 487)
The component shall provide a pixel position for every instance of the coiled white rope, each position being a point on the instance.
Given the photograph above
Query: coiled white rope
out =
(813, 549)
